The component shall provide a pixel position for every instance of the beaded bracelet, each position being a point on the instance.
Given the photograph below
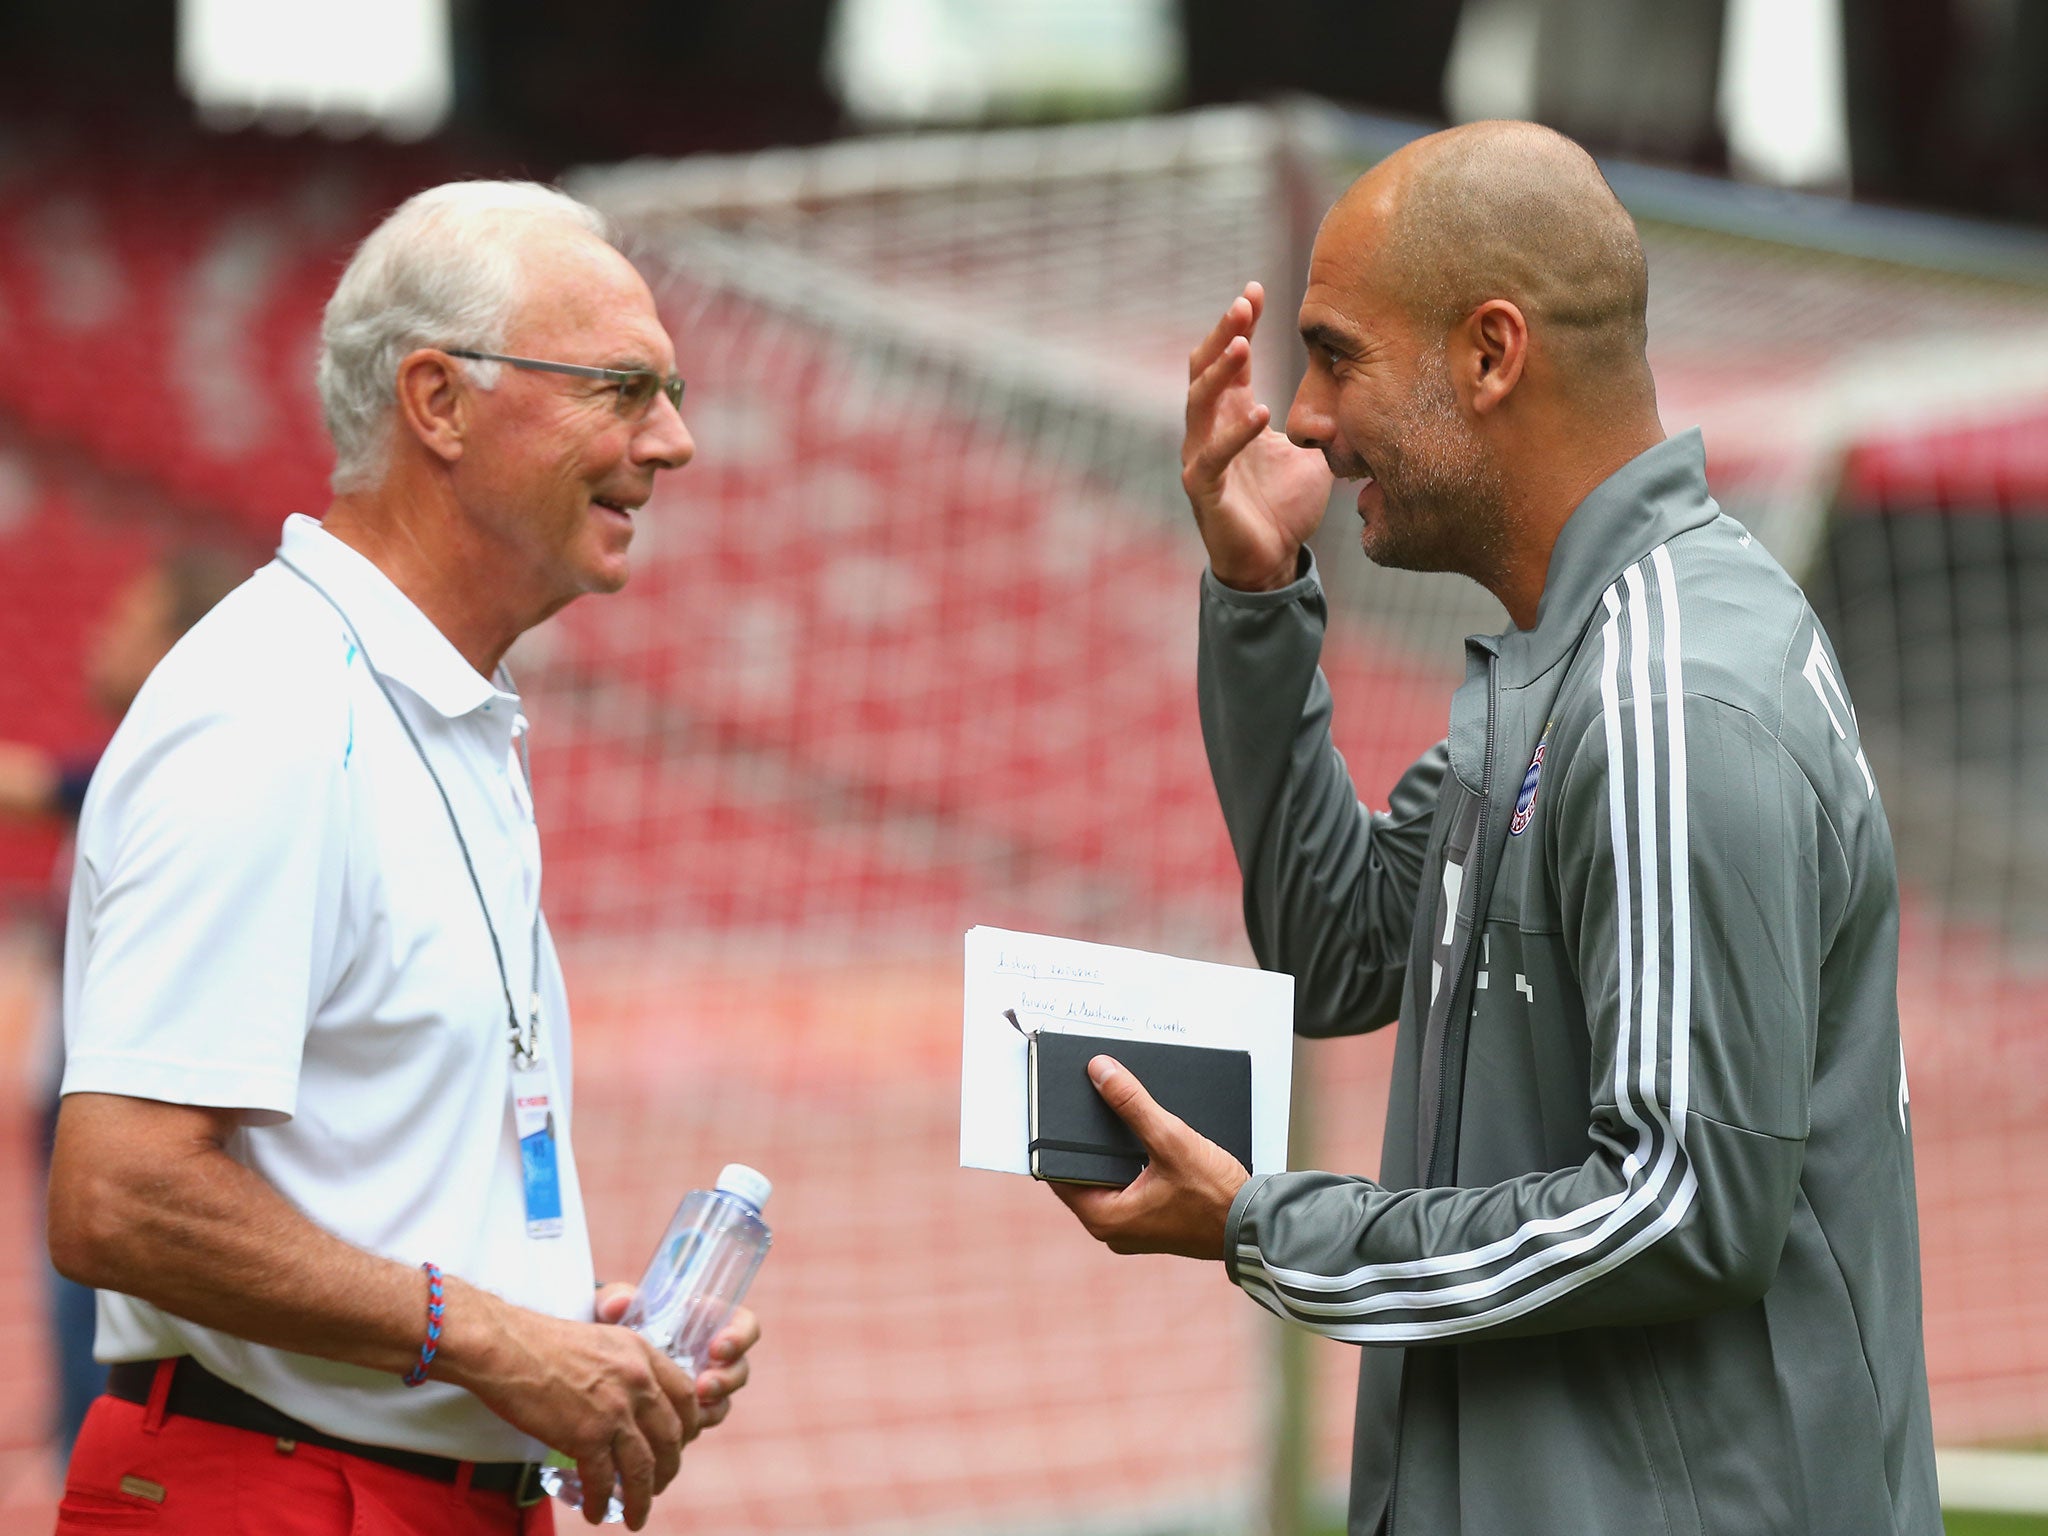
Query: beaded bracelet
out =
(436, 1306)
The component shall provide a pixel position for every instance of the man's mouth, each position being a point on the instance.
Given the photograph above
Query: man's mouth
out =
(1348, 469)
(613, 506)
(1363, 474)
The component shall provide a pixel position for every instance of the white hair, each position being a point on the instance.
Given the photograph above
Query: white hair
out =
(438, 272)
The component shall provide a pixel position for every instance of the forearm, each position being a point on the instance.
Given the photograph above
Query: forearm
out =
(1613, 1242)
(1329, 887)
(194, 1232)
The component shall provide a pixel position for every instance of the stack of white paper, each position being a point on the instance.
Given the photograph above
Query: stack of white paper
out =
(1073, 987)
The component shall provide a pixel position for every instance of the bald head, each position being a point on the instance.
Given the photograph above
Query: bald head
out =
(1514, 211)
(1474, 317)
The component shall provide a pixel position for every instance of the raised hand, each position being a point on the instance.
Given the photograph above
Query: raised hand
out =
(1257, 498)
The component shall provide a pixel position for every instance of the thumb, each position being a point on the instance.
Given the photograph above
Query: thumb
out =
(1122, 1092)
(613, 1298)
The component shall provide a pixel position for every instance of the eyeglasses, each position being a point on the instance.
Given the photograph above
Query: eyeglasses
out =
(636, 387)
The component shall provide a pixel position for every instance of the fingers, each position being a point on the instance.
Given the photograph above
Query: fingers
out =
(604, 1395)
(680, 1393)
(727, 1369)
(600, 1473)
(1181, 1202)
(1088, 1202)
(718, 1381)
(612, 1301)
(635, 1461)
(715, 1387)
(644, 1453)
(1240, 319)
(736, 1338)
(658, 1418)
(1201, 477)
(664, 1430)
(649, 1452)
(1208, 448)
(1233, 365)
(1122, 1092)
(1105, 1214)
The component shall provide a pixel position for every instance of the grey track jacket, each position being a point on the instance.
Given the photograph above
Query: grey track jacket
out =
(1642, 1257)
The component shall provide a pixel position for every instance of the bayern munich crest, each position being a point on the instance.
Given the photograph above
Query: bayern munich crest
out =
(1525, 803)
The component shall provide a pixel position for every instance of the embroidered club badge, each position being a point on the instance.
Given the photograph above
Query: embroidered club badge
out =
(1525, 803)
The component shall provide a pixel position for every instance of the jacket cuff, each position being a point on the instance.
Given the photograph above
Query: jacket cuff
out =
(1240, 1207)
(1306, 581)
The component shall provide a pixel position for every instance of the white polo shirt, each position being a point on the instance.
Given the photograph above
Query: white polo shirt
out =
(271, 914)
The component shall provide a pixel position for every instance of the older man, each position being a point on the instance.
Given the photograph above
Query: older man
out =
(315, 1146)
(1642, 1252)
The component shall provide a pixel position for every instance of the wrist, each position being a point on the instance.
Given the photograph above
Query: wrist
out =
(1245, 578)
(1230, 1190)
(475, 1341)
(437, 1311)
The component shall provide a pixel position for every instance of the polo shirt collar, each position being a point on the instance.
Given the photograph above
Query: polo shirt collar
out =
(399, 640)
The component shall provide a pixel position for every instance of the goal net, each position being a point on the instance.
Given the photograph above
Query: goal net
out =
(910, 646)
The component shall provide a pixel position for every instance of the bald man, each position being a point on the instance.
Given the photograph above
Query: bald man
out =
(1641, 1255)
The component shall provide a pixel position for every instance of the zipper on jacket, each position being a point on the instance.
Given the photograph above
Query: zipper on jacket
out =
(1476, 883)
(1477, 865)
(1394, 1469)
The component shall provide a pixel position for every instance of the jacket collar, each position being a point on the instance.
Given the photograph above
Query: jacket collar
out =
(401, 642)
(1657, 495)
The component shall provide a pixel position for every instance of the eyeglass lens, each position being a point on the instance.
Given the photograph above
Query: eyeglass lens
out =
(638, 389)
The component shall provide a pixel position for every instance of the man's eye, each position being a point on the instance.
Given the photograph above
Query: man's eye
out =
(636, 391)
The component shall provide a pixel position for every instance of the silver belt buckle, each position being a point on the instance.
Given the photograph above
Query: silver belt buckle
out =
(529, 1491)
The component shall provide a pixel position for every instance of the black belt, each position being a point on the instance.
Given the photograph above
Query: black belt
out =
(196, 1393)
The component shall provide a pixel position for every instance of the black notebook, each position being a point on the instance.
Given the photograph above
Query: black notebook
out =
(1078, 1139)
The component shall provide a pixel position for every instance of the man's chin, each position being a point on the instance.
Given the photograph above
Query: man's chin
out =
(1390, 542)
(593, 573)
(608, 562)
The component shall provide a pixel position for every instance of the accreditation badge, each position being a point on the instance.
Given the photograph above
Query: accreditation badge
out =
(533, 1116)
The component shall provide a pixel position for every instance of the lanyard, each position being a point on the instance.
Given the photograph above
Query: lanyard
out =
(525, 1042)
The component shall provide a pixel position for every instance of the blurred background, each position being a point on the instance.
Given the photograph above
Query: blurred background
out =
(911, 645)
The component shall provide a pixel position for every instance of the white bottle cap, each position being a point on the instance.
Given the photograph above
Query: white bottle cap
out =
(750, 1185)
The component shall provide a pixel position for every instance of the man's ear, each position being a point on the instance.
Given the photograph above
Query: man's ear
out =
(1492, 346)
(434, 402)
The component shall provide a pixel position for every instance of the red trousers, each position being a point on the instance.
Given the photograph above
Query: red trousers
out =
(135, 1470)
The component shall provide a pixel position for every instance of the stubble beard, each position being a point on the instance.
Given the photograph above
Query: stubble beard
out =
(1444, 498)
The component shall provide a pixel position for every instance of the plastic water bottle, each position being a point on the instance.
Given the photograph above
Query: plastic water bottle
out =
(707, 1258)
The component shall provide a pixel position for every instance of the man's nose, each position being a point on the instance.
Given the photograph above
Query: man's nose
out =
(663, 440)
(1309, 421)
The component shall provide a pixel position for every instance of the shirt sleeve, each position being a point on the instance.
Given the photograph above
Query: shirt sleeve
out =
(1330, 885)
(210, 871)
(1689, 869)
